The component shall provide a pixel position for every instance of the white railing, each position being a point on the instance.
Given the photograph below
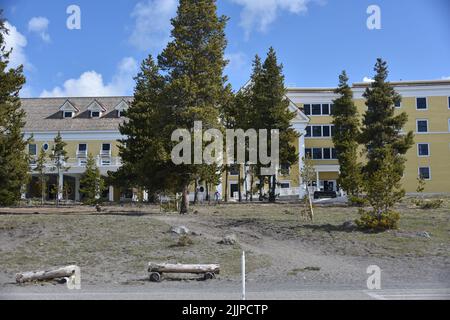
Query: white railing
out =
(288, 191)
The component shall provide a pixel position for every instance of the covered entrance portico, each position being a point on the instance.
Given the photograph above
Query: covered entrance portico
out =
(326, 177)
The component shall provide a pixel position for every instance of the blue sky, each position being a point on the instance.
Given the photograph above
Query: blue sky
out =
(315, 40)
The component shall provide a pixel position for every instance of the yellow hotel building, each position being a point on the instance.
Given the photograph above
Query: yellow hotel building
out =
(90, 125)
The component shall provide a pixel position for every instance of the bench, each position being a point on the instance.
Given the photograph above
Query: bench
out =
(208, 271)
(325, 194)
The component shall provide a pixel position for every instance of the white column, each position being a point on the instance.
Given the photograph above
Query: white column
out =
(317, 180)
(60, 185)
(111, 194)
(301, 155)
(77, 188)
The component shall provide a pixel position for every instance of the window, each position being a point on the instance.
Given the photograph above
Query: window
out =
(308, 131)
(320, 131)
(317, 131)
(398, 104)
(421, 103)
(95, 114)
(448, 102)
(285, 168)
(327, 153)
(119, 113)
(316, 109)
(32, 150)
(317, 153)
(82, 162)
(68, 114)
(333, 153)
(307, 109)
(423, 149)
(82, 149)
(422, 126)
(234, 170)
(308, 153)
(425, 173)
(45, 146)
(325, 109)
(106, 162)
(331, 108)
(285, 185)
(106, 149)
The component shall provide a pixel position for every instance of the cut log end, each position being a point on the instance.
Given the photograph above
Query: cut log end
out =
(184, 268)
(53, 273)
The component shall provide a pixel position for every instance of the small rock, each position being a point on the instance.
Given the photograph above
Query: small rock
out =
(179, 230)
(349, 225)
(229, 239)
(423, 234)
(98, 208)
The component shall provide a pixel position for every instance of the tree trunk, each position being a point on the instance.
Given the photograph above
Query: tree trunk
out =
(251, 187)
(272, 196)
(196, 191)
(184, 207)
(226, 184)
(55, 273)
(239, 184)
(183, 268)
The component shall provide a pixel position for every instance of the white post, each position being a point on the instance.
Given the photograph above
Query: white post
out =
(111, 193)
(317, 181)
(243, 275)
(301, 155)
(60, 185)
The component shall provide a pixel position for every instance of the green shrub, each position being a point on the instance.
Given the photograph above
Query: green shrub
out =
(357, 201)
(370, 220)
(184, 241)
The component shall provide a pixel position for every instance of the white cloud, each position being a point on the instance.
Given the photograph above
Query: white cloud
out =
(91, 84)
(446, 78)
(368, 80)
(152, 23)
(39, 25)
(259, 14)
(17, 42)
(237, 61)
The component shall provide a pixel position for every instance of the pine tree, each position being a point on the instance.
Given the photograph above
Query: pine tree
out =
(268, 99)
(194, 63)
(145, 150)
(345, 139)
(91, 182)
(59, 158)
(40, 169)
(13, 157)
(385, 146)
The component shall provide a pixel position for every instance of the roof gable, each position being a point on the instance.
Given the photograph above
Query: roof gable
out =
(96, 106)
(122, 105)
(68, 106)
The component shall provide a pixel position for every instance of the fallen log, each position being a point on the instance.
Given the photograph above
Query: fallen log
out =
(183, 268)
(54, 273)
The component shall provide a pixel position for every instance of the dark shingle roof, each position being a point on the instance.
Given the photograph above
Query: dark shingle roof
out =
(43, 114)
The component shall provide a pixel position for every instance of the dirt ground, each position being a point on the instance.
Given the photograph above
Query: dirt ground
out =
(114, 246)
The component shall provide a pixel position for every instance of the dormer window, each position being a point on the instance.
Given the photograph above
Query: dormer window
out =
(121, 107)
(96, 109)
(95, 114)
(68, 110)
(68, 114)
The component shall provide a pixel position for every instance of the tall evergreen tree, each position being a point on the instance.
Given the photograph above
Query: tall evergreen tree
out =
(145, 150)
(13, 157)
(385, 146)
(40, 169)
(91, 182)
(59, 158)
(345, 139)
(272, 110)
(194, 63)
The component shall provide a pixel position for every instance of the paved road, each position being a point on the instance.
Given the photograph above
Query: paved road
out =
(140, 293)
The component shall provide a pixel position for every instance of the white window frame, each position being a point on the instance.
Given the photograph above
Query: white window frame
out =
(36, 149)
(429, 171)
(102, 151)
(449, 125)
(321, 131)
(285, 182)
(99, 114)
(429, 150)
(45, 144)
(417, 126)
(78, 148)
(330, 104)
(105, 162)
(426, 101)
(82, 162)
(401, 105)
(71, 114)
(448, 102)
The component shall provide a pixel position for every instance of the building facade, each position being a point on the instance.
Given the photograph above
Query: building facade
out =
(91, 125)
